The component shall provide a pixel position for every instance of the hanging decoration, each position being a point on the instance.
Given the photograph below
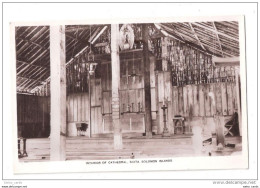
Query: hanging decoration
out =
(127, 37)
(189, 65)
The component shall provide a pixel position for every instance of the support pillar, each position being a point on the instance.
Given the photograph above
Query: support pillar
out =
(115, 63)
(147, 83)
(238, 99)
(58, 93)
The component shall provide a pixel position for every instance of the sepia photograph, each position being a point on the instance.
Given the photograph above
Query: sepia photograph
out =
(128, 91)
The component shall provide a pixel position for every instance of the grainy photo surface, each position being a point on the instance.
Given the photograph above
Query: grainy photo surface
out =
(128, 91)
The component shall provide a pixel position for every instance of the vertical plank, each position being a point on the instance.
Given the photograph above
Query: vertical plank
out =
(224, 98)
(75, 107)
(139, 99)
(123, 82)
(185, 101)
(86, 98)
(195, 90)
(160, 87)
(152, 73)
(68, 108)
(180, 101)
(218, 98)
(234, 96)
(175, 101)
(153, 103)
(104, 76)
(190, 100)
(167, 86)
(212, 103)
(107, 102)
(98, 92)
(201, 100)
(123, 101)
(230, 110)
(93, 121)
(99, 119)
(109, 80)
(93, 92)
(207, 100)
(79, 107)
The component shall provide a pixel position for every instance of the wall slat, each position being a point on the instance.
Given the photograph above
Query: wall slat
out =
(218, 96)
(153, 103)
(79, 103)
(201, 101)
(160, 87)
(229, 99)
(86, 96)
(207, 100)
(224, 98)
(175, 101)
(195, 90)
(190, 101)
(75, 107)
(185, 101)
(234, 94)
(97, 92)
(180, 100)
(212, 103)
(107, 102)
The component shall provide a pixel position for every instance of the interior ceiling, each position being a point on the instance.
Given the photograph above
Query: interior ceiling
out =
(219, 39)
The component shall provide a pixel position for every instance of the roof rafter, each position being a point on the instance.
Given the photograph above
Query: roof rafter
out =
(196, 36)
(31, 63)
(34, 43)
(220, 33)
(39, 66)
(30, 79)
(217, 37)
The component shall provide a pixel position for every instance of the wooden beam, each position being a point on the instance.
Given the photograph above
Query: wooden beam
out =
(100, 33)
(58, 93)
(208, 46)
(30, 79)
(37, 73)
(39, 66)
(27, 86)
(196, 36)
(73, 29)
(147, 82)
(238, 95)
(34, 36)
(115, 66)
(32, 62)
(173, 36)
(34, 43)
(217, 37)
(235, 61)
(214, 31)
(94, 34)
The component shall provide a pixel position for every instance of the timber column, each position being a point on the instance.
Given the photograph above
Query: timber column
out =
(147, 83)
(58, 93)
(115, 63)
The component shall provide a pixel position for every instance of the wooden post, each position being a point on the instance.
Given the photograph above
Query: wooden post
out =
(238, 100)
(58, 93)
(147, 83)
(115, 63)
